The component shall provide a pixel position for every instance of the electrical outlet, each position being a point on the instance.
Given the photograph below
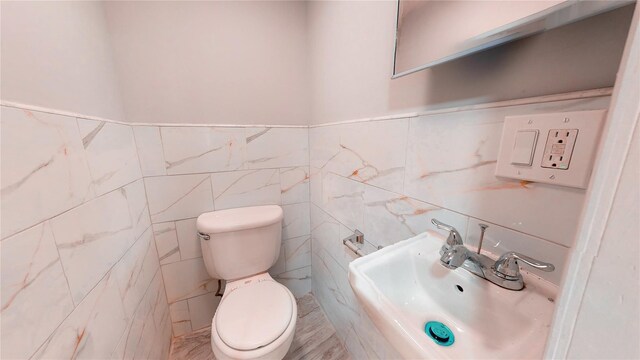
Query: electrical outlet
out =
(555, 155)
(559, 148)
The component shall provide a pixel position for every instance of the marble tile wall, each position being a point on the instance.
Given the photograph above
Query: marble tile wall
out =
(99, 250)
(79, 273)
(194, 169)
(98, 219)
(389, 178)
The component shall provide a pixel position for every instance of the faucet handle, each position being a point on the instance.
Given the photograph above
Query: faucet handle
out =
(507, 264)
(454, 236)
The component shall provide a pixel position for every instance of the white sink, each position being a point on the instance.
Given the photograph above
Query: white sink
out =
(403, 286)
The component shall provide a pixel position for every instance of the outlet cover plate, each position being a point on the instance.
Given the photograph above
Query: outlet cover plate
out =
(584, 128)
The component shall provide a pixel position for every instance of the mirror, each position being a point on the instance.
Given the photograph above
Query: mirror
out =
(432, 32)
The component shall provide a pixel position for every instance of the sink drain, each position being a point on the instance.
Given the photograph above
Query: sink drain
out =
(440, 333)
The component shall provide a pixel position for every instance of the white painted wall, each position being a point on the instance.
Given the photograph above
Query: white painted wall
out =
(211, 62)
(269, 62)
(57, 55)
(351, 49)
(597, 313)
(607, 325)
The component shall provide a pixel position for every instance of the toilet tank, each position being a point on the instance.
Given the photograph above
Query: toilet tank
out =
(240, 242)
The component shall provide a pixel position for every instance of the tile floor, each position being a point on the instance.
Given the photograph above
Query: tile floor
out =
(315, 338)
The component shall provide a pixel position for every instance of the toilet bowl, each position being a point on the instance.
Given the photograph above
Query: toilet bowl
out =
(256, 317)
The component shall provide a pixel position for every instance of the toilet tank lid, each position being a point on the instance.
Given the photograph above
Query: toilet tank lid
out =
(222, 221)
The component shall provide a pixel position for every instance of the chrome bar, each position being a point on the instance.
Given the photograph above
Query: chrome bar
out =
(350, 242)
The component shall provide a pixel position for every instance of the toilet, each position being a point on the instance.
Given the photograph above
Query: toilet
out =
(256, 317)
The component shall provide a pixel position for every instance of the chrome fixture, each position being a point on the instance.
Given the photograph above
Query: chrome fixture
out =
(507, 265)
(483, 228)
(203, 236)
(504, 272)
(454, 236)
(356, 238)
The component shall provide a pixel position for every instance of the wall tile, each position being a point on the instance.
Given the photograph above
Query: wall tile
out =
(326, 236)
(364, 338)
(93, 328)
(315, 186)
(210, 149)
(138, 208)
(391, 217)
(40, 151)
(201, 310)
(111, 154)
(296, 220)
(370, 152)
(137, 341)
(188, 239)
(149, 145)
(166, 240)
(331, 288)
(245, 188)
(297, 252)
(134, 272)
(160, 305)
(186, 279)
(108, 271)
(180, 320)
(297, 281)
(277, 147)
(294, 184)
(139, 337)
(91, 238)
(162, 344)
(35, 294)
(499, 240)
(343, 199)
(178, 197)
(451, 161)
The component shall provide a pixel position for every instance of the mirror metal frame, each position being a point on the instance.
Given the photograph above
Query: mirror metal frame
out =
(561, 14)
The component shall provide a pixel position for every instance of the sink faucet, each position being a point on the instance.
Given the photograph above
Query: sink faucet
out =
(460, 256)
(504, 272)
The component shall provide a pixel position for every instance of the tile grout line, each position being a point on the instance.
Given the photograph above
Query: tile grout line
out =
(64, 273)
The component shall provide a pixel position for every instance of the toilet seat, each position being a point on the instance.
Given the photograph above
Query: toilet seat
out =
(253, 316)
(278, 347)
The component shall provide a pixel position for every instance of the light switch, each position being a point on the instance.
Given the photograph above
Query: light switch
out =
(524, 144)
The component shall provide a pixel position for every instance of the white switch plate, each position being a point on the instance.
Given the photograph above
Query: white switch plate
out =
(574, 169)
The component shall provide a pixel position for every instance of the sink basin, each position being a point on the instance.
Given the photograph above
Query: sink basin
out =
(403, 286)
